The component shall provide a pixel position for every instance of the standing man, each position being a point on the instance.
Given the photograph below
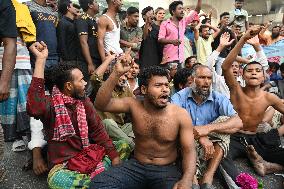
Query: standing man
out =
(131, 34)
(172, 32)
(45, 20)
(87, 30)
(68, 40)
(158, 128)
(239, 16)
(109, 30)
(8, 35)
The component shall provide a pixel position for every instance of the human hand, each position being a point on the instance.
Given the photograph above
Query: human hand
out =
(254, 41)
(4, 90)
(200, 131)
(182, 184)
(110, 56)
(39, 166)
(116, 161)
(253, 31)
(123, 63)
(176, 42)
(225, 39)
(39, 49)
(208, 147)
(91, 68)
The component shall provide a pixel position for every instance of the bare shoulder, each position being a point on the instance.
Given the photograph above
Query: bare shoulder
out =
(103, 20)
(271, 97)
(177, 110)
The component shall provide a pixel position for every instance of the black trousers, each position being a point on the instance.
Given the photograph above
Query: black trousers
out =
(267, 146)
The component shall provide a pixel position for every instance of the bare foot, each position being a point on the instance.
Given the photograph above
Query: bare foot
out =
(261, 166)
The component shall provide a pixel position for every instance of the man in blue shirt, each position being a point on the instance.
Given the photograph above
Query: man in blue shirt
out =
(205, 106)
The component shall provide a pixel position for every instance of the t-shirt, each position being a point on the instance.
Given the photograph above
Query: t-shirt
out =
(87, 25)
(203, 48)
(8, 26)
(68, 40)
(45, 21)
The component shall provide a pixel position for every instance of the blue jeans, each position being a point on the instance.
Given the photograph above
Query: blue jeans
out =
(50, 63)
(134, 175)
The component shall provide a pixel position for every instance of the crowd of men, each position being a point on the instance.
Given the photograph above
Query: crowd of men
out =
(104, 103)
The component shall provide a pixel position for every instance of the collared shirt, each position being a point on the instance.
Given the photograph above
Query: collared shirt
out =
(128, 34)
(216, 105)
(68, 40)
(97, 81)
(168, 30)
(41, 106)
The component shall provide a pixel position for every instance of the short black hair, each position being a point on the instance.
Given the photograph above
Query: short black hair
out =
(147, 73)
(189, 58)
(239, 1)
(62, 6)
(181, 77)
(122, 15)
(205, 20)
(59, 75)
(173, 6)
(202, 27)
(146, 9)
(282, 67)
(251, 63)
(85, 4)
(274, 65)
(224, 14)
(132, 10)
(76, 6)
(276, 27)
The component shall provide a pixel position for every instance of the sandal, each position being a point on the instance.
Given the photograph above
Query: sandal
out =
(19, 146)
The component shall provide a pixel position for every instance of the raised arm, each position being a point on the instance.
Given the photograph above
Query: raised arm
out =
(188, 151)
(227, 64)
(104, 100)
(198, 6)
(102, 25)
(196, 31)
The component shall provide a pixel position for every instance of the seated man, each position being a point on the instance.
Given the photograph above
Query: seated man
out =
(115, 123)
(182, 79)
(205, 106)
(70, 121)
(159, 129)
(251, 103)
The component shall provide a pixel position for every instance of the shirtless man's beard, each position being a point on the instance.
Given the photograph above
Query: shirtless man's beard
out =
(154, 100)
(201, 93)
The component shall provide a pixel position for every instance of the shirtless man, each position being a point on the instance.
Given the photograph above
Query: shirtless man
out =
(109, 30)
(158, 127)
(251, 102)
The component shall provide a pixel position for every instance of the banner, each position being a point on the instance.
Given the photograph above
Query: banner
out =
(274, 52)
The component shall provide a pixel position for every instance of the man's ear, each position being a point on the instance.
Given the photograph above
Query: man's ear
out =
(68, 86)
(143, 89)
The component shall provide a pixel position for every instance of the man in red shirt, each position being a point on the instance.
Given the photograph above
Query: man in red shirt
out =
(70, 122)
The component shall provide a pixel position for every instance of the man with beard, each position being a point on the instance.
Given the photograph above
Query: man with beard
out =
(159, 129)
(109, 30)
(70, 120)
(171, 33)
(251, 103)
(273, 38)
(131, 34)
(117, 125)
(205, 106)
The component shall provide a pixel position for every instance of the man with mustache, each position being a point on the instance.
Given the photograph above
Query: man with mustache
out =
(159, 128)
(205, 106)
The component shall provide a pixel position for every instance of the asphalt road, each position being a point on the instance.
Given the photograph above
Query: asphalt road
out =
(18, 179)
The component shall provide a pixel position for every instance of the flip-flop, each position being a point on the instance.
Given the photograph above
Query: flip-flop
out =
(19, 146)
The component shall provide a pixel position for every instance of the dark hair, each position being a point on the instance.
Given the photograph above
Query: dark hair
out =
(282, 67)
(239, 1)
(274, 65)
(62, 6)
(181, 77)
(251, 63)
(147, 73)
(202, 27)
(205, 20)
(132, 10)
(237, 26)
(276, 27)
(173, 6)
(122, 15)
(158, 9)
(189, 58)
(85, 4)
(59, 75)
(76, 6)
(146, 9)
(224, 14)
